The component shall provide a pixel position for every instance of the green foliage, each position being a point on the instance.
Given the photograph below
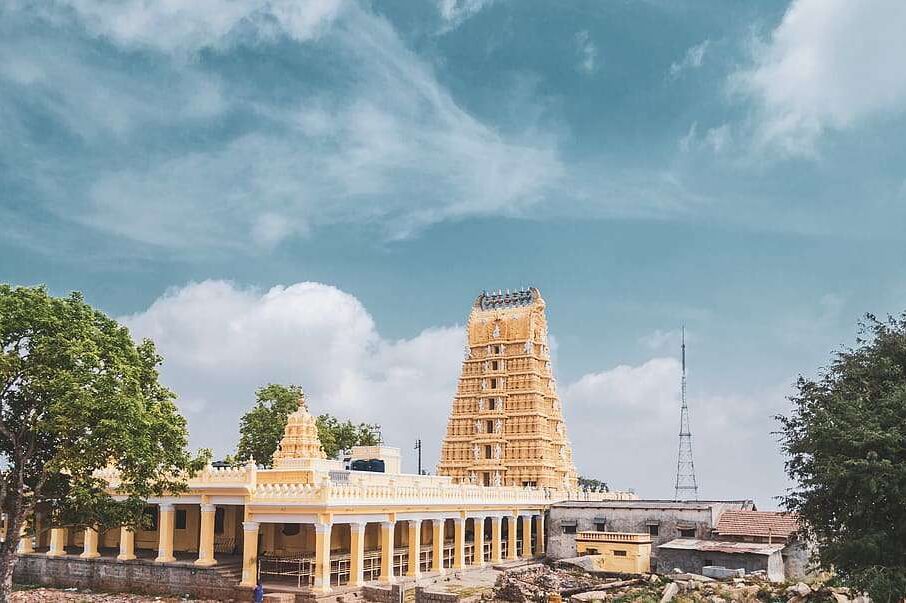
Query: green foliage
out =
(261, 429)
(76, 395)
(337, 435)
(846, 444)
(593, 485)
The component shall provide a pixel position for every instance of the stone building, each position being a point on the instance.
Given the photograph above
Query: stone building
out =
(616, 552)
(694, 555)
(768, 527)
(506, 426)
(663, 520)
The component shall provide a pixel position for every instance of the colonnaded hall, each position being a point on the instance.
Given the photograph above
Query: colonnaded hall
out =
(311, 523)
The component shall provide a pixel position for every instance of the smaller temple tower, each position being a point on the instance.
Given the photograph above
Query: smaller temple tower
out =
(300, 441)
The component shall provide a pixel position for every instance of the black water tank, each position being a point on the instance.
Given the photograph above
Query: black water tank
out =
(373, 465)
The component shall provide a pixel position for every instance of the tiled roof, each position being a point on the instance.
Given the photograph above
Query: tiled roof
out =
(756, 523)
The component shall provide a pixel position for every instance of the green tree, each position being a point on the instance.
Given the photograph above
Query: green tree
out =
(593, 485)
(845, 439)
(78, 395)
(337, 435)
(261, 429)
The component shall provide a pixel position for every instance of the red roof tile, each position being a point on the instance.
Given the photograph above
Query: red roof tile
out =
(756, 523)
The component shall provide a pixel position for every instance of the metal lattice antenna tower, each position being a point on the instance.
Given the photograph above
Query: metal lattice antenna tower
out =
(686, 486)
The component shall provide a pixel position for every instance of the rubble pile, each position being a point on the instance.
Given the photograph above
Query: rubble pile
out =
(544, 584)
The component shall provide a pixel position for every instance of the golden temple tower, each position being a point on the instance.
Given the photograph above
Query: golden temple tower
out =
(506, 426)
(300, 439)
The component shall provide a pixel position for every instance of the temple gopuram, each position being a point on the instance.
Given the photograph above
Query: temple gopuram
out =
(506, 427)
(310, 525)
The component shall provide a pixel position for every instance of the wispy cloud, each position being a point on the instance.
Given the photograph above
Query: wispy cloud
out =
(455, 12)
(586, 51)
(693, 59)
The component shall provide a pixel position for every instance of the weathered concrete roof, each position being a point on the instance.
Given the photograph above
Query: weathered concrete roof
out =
(720, 546)
(699, 505)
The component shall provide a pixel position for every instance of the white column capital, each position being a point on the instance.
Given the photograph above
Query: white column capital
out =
(358, 527)
(415, 522)
(322, 528)
(207, 508)
(166, 507)
(388, 524)
(459, 520)
(440, 521)
(250, 526)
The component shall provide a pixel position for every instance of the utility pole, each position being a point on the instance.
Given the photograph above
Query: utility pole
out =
(686, 486)
(418, 446)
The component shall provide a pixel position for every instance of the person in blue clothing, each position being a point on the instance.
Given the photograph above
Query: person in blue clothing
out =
(259, 593)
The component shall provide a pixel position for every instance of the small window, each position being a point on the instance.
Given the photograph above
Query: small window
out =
(495, 365)
(490, 426)
(687, 532)
(219, 514)
(591, 551)
(487, 451)
(619, 553)
(653, 530)
(149, 519)
(180, 521)
(600, 526)
(709, 562)
(571, 529)
(290, 529)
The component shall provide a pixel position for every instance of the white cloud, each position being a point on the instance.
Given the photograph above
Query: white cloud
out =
(829, 65)
(454, 12)
(660, 340)
(693, 59)
(388, 146)
(220, 342)
(587, 51)
(178, 26)
(624, 422)
(718, 138)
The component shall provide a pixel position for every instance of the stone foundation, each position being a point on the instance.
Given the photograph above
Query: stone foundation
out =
(138, 576)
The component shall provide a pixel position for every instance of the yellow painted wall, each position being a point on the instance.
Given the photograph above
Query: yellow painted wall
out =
(637, 559)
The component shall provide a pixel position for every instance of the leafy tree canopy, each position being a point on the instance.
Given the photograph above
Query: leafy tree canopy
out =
(261, 428)
(846, 445)
(77, 395)
(593, 485)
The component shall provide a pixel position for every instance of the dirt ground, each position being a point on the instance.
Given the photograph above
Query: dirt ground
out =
(52, 595)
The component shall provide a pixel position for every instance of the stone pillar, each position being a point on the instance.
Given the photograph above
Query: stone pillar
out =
(57, 542)
(387, 552)
(322, 558)
(496, 544)
(511, 537)
(206, 536)
(356, 554)
(459, 543)
(165, 533)
(415, 548)
(478, 541)
(127, 544)
(539, 528)
(437, 546)
(527, 536)
(26, 544)
(90, 544)
(249, 553)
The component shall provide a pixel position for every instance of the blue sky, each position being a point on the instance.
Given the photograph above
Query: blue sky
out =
(315, 192)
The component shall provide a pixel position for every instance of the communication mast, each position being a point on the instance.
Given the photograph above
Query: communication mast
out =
(686, 486)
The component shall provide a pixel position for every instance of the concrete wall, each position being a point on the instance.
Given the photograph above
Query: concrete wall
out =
(693, 561)
(631, 516)
(125, 576)
(633, 557)
(796, 560)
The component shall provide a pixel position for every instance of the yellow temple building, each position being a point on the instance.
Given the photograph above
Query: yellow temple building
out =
(309, 523)
(506, 426)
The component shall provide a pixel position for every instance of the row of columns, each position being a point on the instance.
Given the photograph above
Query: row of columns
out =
(357, 548)
(165, 526)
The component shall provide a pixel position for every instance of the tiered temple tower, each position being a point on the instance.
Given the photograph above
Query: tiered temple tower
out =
(506, 426)
(300, 439)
